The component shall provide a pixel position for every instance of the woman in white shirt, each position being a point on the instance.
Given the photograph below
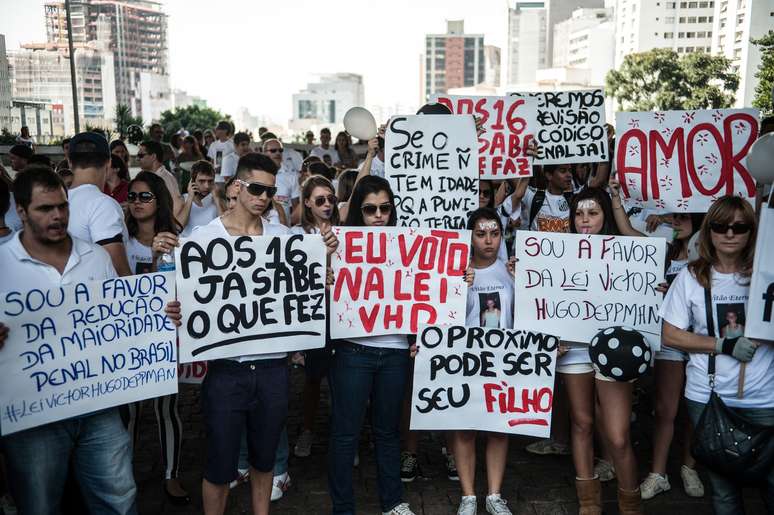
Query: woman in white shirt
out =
(722, 274)
(490, 304)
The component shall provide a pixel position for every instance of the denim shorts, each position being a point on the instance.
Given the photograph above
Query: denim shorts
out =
(236, 397)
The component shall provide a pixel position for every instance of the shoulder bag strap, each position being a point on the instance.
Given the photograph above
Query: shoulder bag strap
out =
(534, 209)
(710, 332)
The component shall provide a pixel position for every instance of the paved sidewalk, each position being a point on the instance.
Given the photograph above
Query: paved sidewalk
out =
(533, 485)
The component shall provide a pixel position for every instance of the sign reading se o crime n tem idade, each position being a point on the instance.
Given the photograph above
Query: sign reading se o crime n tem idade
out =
(431, 162)
(499, 380)
(80, 348)
(250, 295)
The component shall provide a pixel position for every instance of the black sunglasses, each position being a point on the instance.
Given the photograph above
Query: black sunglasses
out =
(274, 150)
(140, 155)
(320, 201)
(371, 209)
(257, 189)
(142, 196)
(736, 228)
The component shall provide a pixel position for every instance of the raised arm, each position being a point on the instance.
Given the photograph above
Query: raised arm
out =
(621, 220)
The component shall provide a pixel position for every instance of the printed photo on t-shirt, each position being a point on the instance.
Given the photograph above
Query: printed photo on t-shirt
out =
(730, 319)
(490, 309)
(143, 268)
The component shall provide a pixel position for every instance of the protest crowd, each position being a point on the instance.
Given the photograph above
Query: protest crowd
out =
(467, 274)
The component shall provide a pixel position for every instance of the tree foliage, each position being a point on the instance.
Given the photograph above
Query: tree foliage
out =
(124, 119)
(190, 118)
(662, 80)
(763, 99)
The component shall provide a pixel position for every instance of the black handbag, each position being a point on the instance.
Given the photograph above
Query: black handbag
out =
(726, 442)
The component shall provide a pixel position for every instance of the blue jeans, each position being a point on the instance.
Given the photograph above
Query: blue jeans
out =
(37, 460)
(359, 373)
(727, 495)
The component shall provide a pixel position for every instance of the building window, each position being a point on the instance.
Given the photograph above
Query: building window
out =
(689, 49)
(669, 35)
(690, 35)
(701, 34)
(702, 19)
(671, 5)
(680, 50)
(692, 19)
(682, 19)
(681, 35)
(669, 19)
(693, 5)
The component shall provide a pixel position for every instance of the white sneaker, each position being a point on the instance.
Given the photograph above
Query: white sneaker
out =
(279, 486)
(653, 485)
(401, 509)
(244, 477)
(691, 482)
(496, 505)
(468, 505)
(605, 470)
(303, 447)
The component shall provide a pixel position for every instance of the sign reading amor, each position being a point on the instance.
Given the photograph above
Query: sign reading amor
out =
(250, 295)
(389, 280)
(499, 380)
(80, 348)
(574, 285)
(570, 126)
(681, 161)
(509, 126)
(431, 162)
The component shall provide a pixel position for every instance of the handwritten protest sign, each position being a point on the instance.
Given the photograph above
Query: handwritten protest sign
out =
(574, 285)
(389, 280)
(499, 380)
(682, 161)
(192, 373)
(80, 348)
(570, 126)
(509, 125)
(760, 306)
(431, 162)
(250, 295)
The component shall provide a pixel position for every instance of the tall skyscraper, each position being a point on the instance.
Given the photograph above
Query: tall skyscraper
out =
(453, 59)
(735, 23)
(137, 35)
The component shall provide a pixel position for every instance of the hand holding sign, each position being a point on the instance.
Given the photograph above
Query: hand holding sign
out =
(329, 238)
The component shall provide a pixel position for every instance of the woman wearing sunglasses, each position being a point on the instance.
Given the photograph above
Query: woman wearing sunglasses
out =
(722, 273)
(149, 214)
(375, 368)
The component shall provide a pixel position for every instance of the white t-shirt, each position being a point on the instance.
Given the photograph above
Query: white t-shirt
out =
(8, 237)
(330, 152)
(228, 167)
(12, 219)
(554, 214)
(200, 215)
(216, 229)
(287, 189)
(292, 159)
(684, 307)
(223, 147)
(94, 216)
(492, 284)
(140, 257)
(377, 167)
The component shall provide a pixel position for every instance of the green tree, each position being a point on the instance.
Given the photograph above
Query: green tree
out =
(124, 119)
(763, 91)
(190, 118)
(662, 80)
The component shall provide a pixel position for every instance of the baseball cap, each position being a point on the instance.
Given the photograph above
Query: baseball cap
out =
(89, 142)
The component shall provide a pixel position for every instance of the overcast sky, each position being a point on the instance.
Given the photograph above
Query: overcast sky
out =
(256, 53)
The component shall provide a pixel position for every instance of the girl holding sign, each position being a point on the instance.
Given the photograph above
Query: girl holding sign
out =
(149, 214)
(375, 368)
(492, 285)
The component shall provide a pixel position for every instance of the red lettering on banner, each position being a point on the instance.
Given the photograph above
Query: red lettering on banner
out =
(353, 283)
(421, 307)
(444, 288)
(371, 257)
(397, 293)
(504, 398)
(351, 248)
(368, 318)
(374, 283)
(422, 286)
(396, 317)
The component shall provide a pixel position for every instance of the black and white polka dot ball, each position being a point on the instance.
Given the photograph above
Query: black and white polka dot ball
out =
(135, 134)
(620, 353)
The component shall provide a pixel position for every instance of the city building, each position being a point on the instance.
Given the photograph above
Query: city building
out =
(325, 102)
(5, 88)
(46, 121)
(453, 59)
(586, 41)
(683, 26)
(137, 35)
(735, 23)
(181, 98)
(492, 65)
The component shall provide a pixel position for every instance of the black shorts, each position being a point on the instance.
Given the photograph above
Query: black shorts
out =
(317, 362)
(251, 396)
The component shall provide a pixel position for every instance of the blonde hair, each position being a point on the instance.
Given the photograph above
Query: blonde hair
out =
(723, 211)
(308, 221)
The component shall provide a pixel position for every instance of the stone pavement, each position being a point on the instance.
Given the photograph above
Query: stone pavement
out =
(533, 485)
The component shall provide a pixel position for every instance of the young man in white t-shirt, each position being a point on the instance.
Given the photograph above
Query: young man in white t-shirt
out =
(199, 205)
(94, 216)
(229, 164)
(325, 148)
(543, 210)
(44, 256)
(222, 146)
(288, 189)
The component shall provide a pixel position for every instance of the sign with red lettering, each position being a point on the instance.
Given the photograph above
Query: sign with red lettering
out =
(509, 126)
(431, 163)
(389, 280)
(570, 126)
(682, 161)
(192, 373)
(575, 285)
(498, 380)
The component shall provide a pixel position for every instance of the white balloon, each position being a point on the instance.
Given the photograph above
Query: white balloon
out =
(360, 123)
(760, 159)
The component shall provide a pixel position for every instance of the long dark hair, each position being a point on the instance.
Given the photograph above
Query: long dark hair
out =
(308, 221)
(165, 219)
(366, 186)
(676, 247)
(118, 163)
(600, 196)
(483, 213)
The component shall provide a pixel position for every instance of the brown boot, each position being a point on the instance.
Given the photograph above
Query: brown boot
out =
(589, 496)
(629, 502)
